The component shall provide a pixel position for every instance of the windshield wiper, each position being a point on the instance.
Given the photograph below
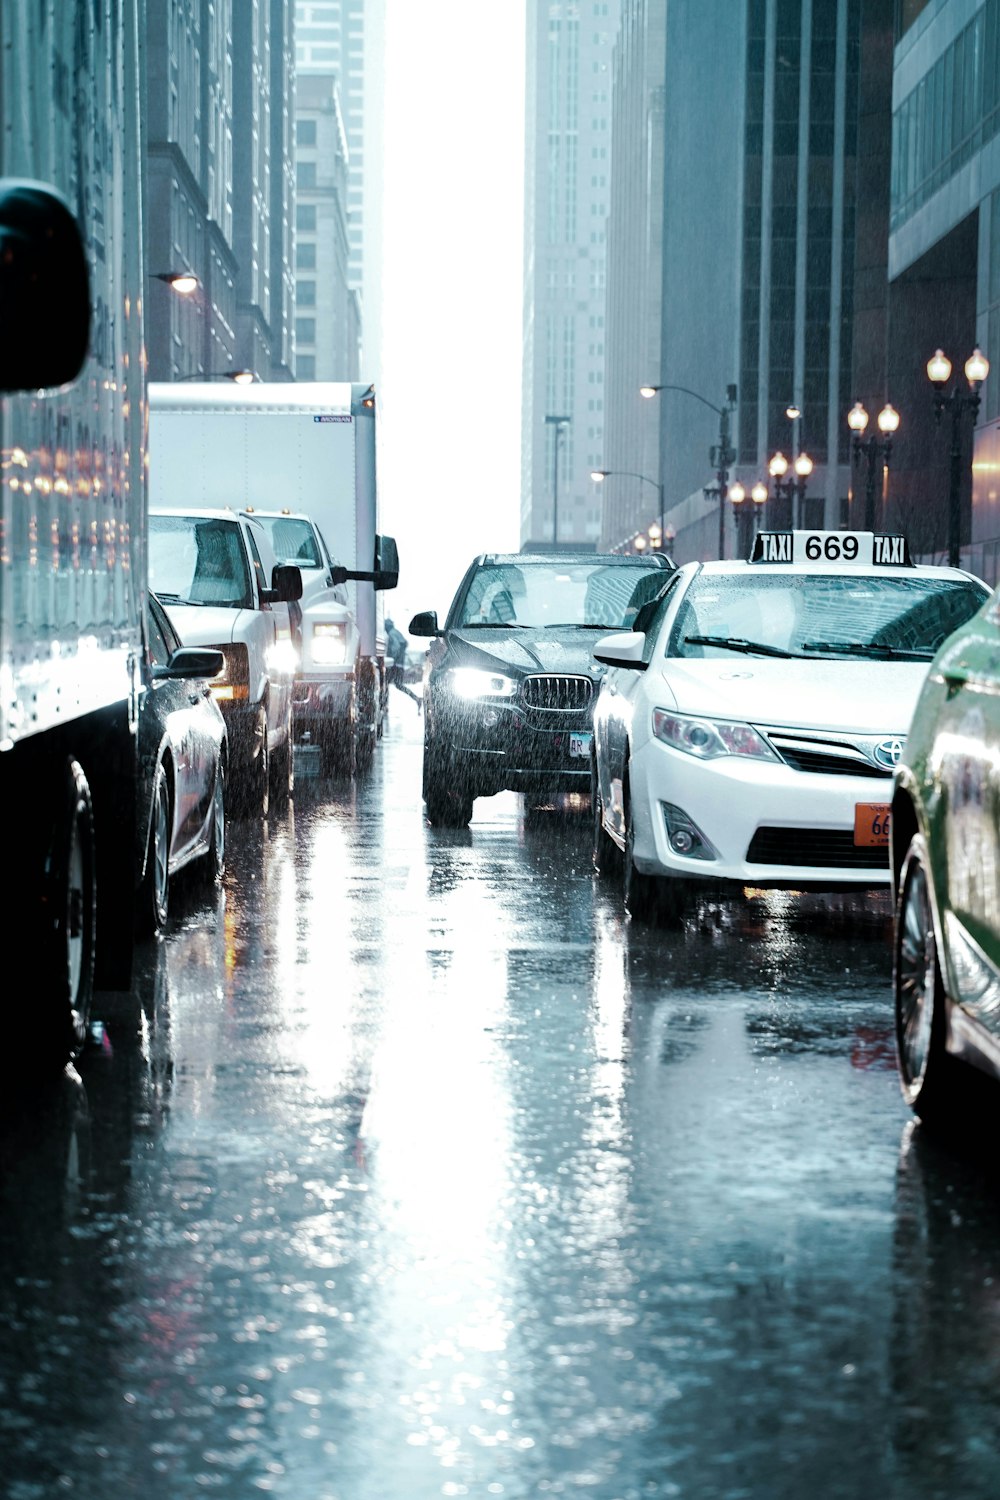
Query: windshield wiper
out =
(869, 648)
(736, 643)
(491, 625)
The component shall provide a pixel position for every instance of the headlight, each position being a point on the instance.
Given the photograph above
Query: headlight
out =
(233, 682)
(282, 658)
(709, 738)
(328, 645)
(472, 682)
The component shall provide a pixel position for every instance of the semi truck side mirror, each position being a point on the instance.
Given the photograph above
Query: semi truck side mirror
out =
(44, 289)
(386, 563)
(286, 584)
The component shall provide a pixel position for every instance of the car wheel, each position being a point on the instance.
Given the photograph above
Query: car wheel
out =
(64, 962)
(648, 898)
(927, 1071)
(151, 910)
(447, 799)
(282, 768)
(214, 866)
(607, 855)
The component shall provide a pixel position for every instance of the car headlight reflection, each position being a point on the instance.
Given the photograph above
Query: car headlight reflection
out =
(709, 738)
(328, 646)
(474, 682)
(282, 658)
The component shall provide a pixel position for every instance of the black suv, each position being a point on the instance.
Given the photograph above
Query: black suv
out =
(509, 682)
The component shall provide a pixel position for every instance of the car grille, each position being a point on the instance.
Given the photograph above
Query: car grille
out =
(827, 757)
(557, 694)
(825, 848)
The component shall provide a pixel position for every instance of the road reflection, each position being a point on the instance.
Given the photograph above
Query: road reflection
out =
(413, 1168)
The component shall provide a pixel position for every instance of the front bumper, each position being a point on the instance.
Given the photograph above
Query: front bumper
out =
(320, 702)
(504, 747)
(766, 823)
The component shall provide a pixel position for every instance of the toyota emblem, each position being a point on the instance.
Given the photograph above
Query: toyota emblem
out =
(889, 753)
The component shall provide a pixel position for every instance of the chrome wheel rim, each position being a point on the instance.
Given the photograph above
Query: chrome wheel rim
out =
(219, 817)
(161, 850)
(916, 970)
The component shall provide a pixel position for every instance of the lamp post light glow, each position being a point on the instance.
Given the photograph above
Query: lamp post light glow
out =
(181, 282)
(873, 451)
(958, 402)
(722, 455)
(790, 486)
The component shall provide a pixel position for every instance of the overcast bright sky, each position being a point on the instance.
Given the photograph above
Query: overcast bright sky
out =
(452, 290)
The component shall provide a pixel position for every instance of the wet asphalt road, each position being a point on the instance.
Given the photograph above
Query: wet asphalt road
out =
(419, 1171)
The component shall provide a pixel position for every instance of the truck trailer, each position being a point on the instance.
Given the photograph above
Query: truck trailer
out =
(309, 448)
(72, 506)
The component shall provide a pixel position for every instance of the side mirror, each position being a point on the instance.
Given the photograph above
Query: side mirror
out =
(386, 563)
(286, 584)
(624, 650)
(44, 289)
(191, 661)
(426, 623)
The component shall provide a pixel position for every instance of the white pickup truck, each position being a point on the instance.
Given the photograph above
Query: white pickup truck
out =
(216, 575)
(329, 669)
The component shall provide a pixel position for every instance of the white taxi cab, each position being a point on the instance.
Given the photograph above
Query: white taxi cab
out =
(747, 728)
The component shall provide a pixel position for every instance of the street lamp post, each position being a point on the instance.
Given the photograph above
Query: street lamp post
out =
(722, 456)
(873, 451)
(791, 486)
(958, 402)
(560, 424)
(599, 476)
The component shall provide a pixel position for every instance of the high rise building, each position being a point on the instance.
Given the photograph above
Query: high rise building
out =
(328, 309)
(759, 142)
(567, 176)
(342, 41)
(219, 186)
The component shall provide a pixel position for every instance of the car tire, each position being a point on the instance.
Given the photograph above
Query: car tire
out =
(153, 895)
(654, 899)
(606, 854)
(447, 798)
(214, 864)
(929, 1075)
(64, 961)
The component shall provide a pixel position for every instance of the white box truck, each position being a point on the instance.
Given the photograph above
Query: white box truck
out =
(72, 509)
(305, 449)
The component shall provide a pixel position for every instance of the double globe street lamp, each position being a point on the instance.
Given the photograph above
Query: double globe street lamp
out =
(872, 452)
(959, 403)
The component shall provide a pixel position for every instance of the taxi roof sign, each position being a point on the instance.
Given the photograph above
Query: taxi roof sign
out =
(832, 549)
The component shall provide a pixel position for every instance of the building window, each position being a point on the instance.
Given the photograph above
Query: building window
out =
(305, 255)
(305, 330)
(305, 174)
(305, 217)
(305, 367)
(305, 132)
(305, 294)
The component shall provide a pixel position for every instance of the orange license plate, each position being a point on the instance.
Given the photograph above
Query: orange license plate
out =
(871, 824)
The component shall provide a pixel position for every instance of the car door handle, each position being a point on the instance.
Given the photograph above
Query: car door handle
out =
(193, 697)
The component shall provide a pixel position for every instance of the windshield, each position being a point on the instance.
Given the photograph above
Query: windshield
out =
(293, 540)
(832, 615)
(198, 561)
(538, 596)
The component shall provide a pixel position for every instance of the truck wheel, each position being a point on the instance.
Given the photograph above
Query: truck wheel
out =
(339, 752)
(151, 905)
(367, 717)
(69, 919)
(282, 768)
(259, 774)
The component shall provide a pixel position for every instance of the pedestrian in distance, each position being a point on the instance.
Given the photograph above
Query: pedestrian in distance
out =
(396, 652)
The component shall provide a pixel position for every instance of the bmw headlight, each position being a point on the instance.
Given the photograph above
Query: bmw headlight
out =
(328, 646)
(474, 682)
(709, 738)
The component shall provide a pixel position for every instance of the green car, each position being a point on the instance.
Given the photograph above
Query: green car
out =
(945, 848)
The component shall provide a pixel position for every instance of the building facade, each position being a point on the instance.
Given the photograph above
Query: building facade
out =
(567, 185)
(219, 186)
(759, 161)
(328, 308)
(943, 262)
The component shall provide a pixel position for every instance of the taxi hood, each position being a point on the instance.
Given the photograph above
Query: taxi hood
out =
(868, 697)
